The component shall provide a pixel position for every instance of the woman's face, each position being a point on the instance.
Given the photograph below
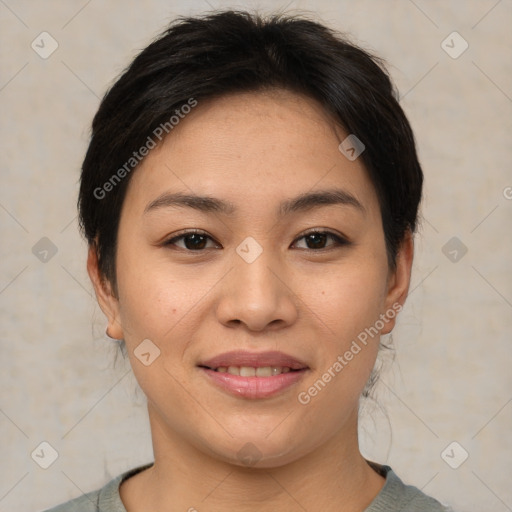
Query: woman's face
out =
(253, 289)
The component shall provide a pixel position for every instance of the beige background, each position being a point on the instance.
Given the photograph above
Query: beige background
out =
(451, 379)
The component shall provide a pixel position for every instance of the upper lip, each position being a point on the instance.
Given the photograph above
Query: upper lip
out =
(254, 360)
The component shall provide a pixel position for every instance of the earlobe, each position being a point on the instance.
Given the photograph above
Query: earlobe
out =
(399, 281)
(107, 301)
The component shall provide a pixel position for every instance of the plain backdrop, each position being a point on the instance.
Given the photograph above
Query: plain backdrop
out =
(451, 379)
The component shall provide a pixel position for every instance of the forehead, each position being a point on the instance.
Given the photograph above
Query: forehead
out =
(263, 146)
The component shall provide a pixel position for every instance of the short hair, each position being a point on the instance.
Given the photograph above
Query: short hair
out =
(215, 54)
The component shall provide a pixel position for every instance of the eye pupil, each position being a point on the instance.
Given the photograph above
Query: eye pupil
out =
(196, 237)
(318, 238)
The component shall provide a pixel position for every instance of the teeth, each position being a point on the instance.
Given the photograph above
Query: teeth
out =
(265, 371)
(248, 371)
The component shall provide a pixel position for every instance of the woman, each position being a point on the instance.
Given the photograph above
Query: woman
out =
(249, 196)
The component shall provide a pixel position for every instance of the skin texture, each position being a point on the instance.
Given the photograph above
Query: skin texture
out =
(254, 150)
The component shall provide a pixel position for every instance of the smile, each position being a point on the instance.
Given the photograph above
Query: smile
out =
(249, 371)
(253, 387)
(253, 375)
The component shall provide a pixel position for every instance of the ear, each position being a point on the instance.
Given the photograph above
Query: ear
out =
(398, 282)
(107, 301)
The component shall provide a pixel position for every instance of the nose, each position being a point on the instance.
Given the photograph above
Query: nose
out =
(258, 295)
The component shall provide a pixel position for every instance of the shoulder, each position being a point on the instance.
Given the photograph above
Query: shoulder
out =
(106, 499)
(87, 503)
(396, 496)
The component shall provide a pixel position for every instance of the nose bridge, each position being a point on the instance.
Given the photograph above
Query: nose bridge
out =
(255, 269)
(256, 294)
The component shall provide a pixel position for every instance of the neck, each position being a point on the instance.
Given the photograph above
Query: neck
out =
(335, 477)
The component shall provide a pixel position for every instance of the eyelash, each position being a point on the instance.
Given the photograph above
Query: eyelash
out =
(339, 241)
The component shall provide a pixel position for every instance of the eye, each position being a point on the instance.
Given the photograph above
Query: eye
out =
(316, 240)
(193, 240)
(197, 240)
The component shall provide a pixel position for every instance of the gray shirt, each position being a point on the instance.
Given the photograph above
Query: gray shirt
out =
(395, 496)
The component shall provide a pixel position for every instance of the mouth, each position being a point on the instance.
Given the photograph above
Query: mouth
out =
(249, 371)
(253, 375)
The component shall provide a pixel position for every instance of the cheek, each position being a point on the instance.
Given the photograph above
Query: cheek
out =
(348, 299)
(150, 303)
(155, 295)
(349, 303)
(162, 301)
(153, 307)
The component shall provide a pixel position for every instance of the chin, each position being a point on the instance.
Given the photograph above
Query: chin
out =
(258, 452)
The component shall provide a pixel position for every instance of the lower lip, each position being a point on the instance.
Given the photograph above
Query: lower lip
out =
(254, 387)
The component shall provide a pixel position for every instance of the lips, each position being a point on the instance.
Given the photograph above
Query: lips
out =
(253, 375)
(254, 360)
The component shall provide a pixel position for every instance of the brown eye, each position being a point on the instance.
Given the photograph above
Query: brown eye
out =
(192, 241)
(316, 240)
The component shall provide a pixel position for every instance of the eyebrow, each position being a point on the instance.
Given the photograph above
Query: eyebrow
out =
(301, 203)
